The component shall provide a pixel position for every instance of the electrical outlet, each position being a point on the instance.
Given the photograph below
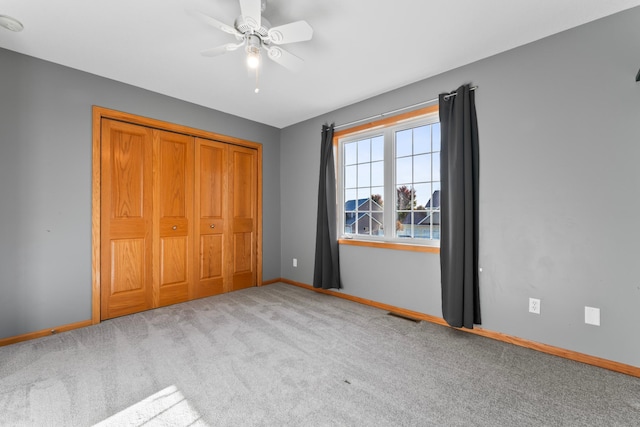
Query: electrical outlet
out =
(295, 262)
(592, 316)
(534, 305)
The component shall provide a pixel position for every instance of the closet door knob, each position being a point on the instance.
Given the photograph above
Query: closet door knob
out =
(212, 226)
(175, 227)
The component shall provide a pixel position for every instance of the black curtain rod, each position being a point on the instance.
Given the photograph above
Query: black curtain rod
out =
(378, 116)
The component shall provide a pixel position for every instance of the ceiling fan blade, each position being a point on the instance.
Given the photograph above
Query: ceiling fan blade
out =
(219, 50)
(214, 22)
(285, 58)
(251, 11)
(298, 31)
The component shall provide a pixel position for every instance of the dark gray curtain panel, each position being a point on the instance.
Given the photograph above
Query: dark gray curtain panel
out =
(459, 209)
(326, 273)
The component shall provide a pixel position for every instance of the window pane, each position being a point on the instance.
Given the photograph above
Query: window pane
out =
(350, 176)
(350, 197)
(422, 195)
(422, 139)
(349, 222)
(376, 211)
(377, 228)
(404, 170)
(364, 226)
(363, 195)
(436, 166)
(364, 151)
(376, 195)
(377, 148)
(435, 188)
(403, 143)
(364, 175)
(422, 225)
(404, 197)
(350, 153)
(435, 228)
(377, 173)
(422, 168)
(350, 205)
(403, 224)
(435, 136)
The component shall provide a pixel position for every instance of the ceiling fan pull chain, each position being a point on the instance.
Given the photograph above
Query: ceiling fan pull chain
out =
(257, 89)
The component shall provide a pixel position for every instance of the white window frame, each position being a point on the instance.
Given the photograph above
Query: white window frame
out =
(389, 196)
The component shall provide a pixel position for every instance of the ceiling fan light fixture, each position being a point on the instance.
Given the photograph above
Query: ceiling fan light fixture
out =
(256, 35)
(253, 59)
(253, 52)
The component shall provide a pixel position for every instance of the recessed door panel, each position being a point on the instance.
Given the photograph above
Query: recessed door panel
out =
(211, 256)
(127, 175)
(212, 179)
(174, 262)
(242, 252)
(243, 184)
(173, 180)
(127, 265)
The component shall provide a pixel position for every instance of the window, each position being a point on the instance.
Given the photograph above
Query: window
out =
(364, 186)
(389, 181)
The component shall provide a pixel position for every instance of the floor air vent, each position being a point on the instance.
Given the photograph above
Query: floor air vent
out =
(402, 316)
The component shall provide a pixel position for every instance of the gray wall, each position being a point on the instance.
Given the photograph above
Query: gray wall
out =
(559, 123)
(45, 184)
(559, 132)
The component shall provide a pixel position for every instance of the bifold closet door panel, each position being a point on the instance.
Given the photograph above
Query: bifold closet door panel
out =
(173, 235)
(211, 237)
(126, 219)
(243, 190)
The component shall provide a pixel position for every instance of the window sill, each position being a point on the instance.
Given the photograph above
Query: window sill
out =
(389, 245)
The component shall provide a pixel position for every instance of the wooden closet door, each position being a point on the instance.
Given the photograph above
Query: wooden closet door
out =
(211, 237)
(243, 190)
(126, 219)
(173, 182)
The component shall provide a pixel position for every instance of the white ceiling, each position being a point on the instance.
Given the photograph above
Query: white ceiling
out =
(360, 48)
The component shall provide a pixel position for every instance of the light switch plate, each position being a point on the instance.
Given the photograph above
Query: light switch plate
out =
(592, 316)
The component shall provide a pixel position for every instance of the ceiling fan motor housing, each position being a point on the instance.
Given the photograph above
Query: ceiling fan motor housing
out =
(246, 28)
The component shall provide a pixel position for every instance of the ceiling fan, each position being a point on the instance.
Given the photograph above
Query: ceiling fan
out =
(253, 32)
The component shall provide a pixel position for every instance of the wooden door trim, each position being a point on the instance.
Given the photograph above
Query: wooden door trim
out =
(98, 114)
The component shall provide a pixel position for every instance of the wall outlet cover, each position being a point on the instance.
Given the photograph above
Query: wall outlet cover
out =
(534, 305)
